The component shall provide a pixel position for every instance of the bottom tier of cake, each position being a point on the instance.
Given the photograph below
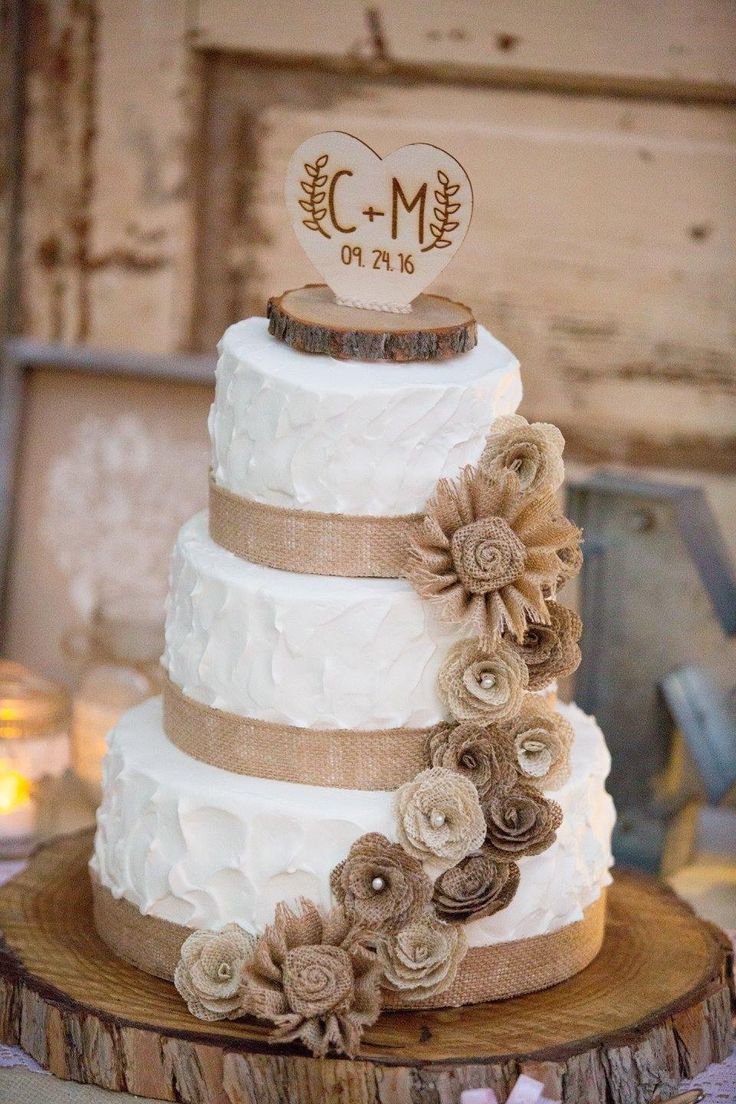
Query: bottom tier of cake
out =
(193, 846)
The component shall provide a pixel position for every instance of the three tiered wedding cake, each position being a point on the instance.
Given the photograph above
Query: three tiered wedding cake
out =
(359, 790)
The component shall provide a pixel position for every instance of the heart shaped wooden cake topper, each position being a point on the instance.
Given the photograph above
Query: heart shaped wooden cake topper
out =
(379, 230)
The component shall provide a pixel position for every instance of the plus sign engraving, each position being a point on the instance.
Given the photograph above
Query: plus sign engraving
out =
(379, 230)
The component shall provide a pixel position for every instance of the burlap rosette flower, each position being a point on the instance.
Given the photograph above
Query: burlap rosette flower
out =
(379, 885)
(439, 819)
(485, 756)
(550, 651)
(569, 563)
(486, 554)
(423, 959)
(478, 886)
(532, 452)
(208, 974)
(542, 740)
(520, 823)
(481, 684)
(313, 976)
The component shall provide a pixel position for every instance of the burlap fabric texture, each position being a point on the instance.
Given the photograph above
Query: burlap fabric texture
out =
(495, 972)
(354, 759)
(310, 543)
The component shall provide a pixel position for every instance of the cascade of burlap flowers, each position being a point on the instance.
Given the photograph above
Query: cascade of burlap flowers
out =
(492, 554)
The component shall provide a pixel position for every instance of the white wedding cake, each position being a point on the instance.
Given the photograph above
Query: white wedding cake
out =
(202, 847)
(359, 790)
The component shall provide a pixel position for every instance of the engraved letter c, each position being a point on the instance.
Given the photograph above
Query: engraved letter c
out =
(331, 201)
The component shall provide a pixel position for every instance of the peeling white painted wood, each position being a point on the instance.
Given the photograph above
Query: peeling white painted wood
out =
(57, 134)
(684, 44)
(330, 29)
(107, 231)
(141, 234)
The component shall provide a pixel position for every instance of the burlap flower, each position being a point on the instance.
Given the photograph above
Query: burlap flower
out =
(533, 452)
(520, 823)
(423, 959)
(569, 563)
(209, 971)
(314, 978)
(439, 816)
(485, 554)
(541, 739)
(379, 885)
(486, 756)
(481, 684)
(550, 651)
(478, 886)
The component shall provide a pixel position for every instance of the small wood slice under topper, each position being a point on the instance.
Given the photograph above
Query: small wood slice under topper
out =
(309, 319)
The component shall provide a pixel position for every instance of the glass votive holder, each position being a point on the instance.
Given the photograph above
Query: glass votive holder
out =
(34, 744)
(120, 649)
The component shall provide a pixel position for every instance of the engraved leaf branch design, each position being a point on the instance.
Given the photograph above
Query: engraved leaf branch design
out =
(444, 223)
(314, 190)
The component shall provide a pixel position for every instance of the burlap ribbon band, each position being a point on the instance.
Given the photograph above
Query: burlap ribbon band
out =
(310, 543)
(353, 759)
(487, 973)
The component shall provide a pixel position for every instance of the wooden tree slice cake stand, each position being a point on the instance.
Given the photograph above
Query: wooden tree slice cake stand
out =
(311, 321)
(654, 1007)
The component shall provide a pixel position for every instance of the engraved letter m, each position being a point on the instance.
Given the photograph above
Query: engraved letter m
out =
(397, 193)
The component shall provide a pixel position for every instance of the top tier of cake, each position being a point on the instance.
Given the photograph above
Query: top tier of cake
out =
(309, 432)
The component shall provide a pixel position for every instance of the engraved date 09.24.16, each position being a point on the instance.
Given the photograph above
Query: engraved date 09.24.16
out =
(380, 259)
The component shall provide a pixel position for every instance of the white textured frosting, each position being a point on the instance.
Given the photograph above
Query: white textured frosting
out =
(202, 847)
(310, 432)
(309, 650)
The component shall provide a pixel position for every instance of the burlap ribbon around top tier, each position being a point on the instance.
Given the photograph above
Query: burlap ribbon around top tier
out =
(376, 759)
(496, 972)
(310, 543)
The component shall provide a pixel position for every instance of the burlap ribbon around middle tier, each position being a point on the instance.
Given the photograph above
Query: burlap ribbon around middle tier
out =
(310, 543)
(375, 759)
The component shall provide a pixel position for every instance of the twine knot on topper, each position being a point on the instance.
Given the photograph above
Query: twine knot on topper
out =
(379, 230)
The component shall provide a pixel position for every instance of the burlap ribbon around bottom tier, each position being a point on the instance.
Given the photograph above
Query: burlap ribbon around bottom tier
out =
(490, 973)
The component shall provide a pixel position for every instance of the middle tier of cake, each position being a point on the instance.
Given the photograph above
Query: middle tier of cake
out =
(306, 650)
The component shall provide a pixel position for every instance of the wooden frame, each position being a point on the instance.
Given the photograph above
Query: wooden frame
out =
(20, 356)
(505, 45)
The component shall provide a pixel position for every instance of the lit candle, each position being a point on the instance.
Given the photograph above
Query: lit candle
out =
(34, 745)
(17, 811)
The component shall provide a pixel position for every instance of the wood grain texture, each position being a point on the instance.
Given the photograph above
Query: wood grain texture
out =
(12, 32)
(109, 115)
(672, 47)
(308, 319)
(654, 1007)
